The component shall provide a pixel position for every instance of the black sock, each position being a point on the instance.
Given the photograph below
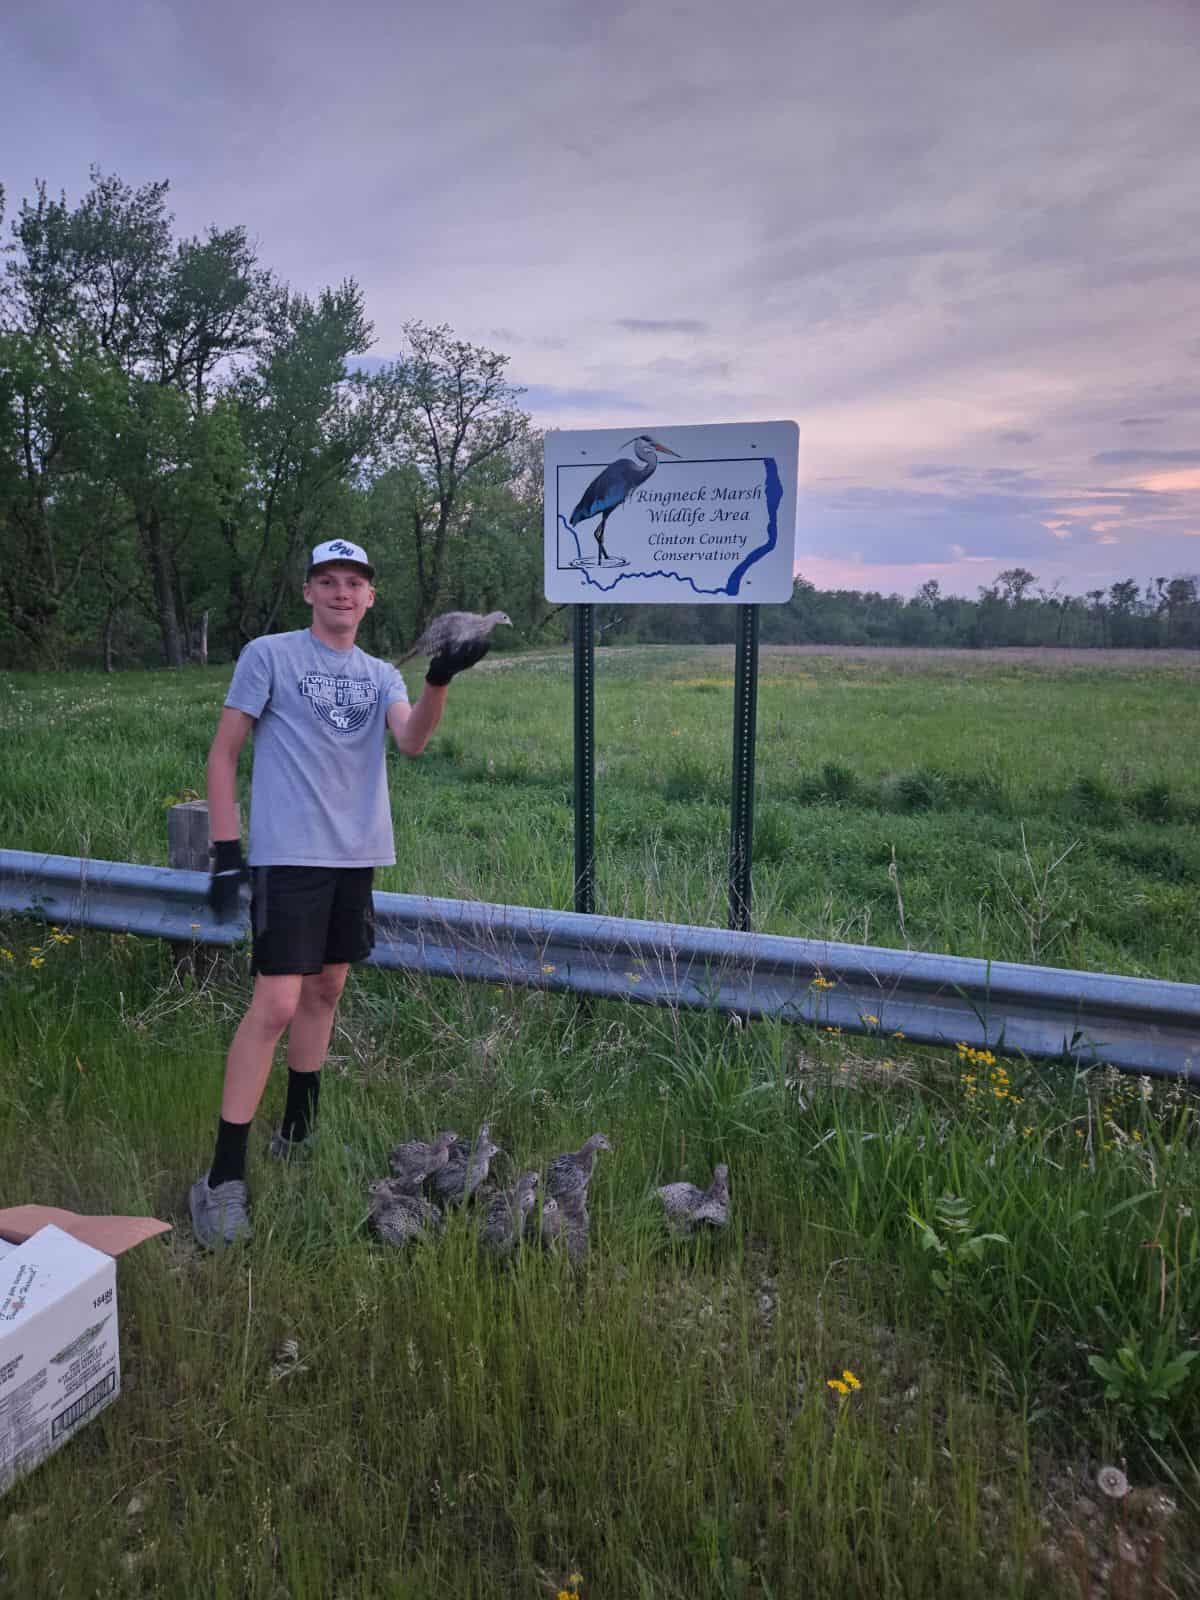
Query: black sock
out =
(229, 1158)
(300, 1113)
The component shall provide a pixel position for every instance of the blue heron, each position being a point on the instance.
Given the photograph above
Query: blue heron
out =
(611, 488)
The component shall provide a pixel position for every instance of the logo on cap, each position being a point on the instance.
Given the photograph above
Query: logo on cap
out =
(339, 547)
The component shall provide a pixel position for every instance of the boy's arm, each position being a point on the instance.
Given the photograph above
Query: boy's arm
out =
(412, 726)
(232, 733)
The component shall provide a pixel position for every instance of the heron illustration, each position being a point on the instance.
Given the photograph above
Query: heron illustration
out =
(611, 487)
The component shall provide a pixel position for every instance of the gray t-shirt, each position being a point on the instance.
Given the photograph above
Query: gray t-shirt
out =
(318, 795)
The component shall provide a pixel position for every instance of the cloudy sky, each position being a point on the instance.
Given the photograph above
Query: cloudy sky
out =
(958, 241)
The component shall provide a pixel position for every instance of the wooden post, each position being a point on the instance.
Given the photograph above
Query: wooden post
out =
(187, 847)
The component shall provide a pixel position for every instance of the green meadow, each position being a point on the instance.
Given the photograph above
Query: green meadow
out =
(953, 1290)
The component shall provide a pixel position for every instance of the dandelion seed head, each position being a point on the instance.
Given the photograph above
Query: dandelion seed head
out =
(1112, 1482)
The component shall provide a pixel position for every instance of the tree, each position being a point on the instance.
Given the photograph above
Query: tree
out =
(100, 288)
(1014, 583)
(50, 447)
(1099, 612)
(308, 430)
(453, 413)
(1179, 602)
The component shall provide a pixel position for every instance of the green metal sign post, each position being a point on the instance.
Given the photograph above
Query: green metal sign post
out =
(585, 759)
(741, 811)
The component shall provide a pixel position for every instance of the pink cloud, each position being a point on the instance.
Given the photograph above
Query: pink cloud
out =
(1185, 481)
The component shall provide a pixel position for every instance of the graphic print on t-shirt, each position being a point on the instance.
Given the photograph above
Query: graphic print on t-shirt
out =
(344, 703)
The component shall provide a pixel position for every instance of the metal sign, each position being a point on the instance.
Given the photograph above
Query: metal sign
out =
(674, 516)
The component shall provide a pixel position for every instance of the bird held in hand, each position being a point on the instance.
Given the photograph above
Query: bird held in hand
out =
(571, 1173)
(688, 1207)
(454, 630)
(399, 1218)
(413, 1162)
(462, 1174)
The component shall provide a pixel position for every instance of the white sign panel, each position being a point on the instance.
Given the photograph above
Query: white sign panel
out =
(684, 516)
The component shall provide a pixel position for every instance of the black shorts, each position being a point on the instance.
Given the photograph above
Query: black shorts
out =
(306, 918)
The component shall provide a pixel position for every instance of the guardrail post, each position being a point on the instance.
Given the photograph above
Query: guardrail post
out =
(187, 847)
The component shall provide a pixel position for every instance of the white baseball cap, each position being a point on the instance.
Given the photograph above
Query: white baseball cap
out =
(339, 550)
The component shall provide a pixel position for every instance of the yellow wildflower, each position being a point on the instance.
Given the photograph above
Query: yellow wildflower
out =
(634, 977)
(836, 1383)
(548, 966)
(37, 961)
(867, 1017)
(6, 954)
(848, 1377)
(823, 983)
(575, 1579)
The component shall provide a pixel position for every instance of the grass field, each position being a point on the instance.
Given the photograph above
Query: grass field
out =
(666, 1421)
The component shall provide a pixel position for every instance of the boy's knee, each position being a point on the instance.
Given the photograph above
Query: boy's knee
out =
(274, 1003)
(324, 988)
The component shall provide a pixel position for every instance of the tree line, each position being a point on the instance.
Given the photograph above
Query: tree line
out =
(1012, 610)
(178, 426)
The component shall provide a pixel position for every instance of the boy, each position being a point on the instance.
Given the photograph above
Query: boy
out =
(320, 822)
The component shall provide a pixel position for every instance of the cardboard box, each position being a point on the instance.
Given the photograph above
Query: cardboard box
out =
(59, 1348)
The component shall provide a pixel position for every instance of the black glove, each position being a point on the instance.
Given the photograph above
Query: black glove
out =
(229, 872)
(456, 658)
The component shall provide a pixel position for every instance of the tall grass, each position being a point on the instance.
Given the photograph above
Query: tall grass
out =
(315, 1415)
(961, 770)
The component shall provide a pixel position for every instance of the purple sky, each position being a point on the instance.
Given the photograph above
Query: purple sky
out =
(958, 243)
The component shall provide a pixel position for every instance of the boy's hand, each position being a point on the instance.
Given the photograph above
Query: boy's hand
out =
(229, 872)
(455, 658)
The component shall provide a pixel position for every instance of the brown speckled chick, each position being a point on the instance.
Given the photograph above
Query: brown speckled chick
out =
(564, 1225)
(570, 1174)
(544, 1226)
(504, 1222)
(688, 1208)
(413, 1162)
(462, 1174)
(399, 1218)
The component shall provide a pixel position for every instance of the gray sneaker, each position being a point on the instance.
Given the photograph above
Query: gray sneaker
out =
(219, 1216)
(281, 1149)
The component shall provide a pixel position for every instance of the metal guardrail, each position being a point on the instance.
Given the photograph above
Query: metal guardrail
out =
(1137, 1024)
